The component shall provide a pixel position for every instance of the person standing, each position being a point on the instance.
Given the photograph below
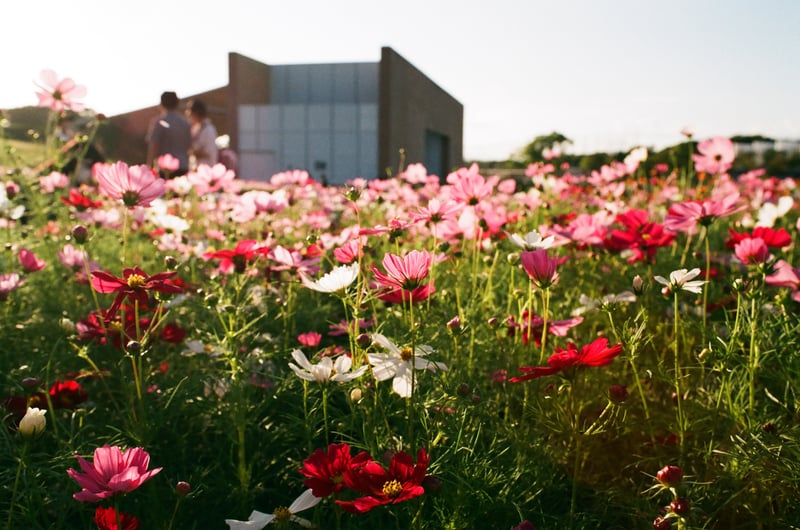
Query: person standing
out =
(204, 134)
(169, 134)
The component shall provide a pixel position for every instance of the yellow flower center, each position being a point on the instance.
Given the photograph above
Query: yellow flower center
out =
(115, 326)
(406, 353)
(136, 281)
(282, 514)
(338, 479)
(392, 489)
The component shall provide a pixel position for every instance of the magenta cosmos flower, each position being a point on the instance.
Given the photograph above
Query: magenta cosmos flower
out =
(59, 94)
(404, 277)
(716, 155)
(134, 185)
(113, 471)
(540, 267)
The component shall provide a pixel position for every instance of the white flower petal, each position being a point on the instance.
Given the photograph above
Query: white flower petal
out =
(301, 359)
(256, 521)
(401, 384)
(305, 501)
(386, 344)
(384, 366)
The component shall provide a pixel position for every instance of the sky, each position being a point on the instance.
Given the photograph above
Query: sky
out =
(608, 74)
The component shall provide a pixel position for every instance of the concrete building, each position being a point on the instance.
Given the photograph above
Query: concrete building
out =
(337, 121)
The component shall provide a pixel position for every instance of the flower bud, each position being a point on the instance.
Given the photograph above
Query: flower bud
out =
(33, 422)
(463, 389)
(454, 323)
(67, 325)
(133, 347)
(618, 393)
(680, 506)
(170, 263)
(356, 394)
(670, 476)
(352, 193)
(30, 382)
(80, 233)
(492, 321)
(183, 488)
(662, 524)
(364, 340)
(638, 285)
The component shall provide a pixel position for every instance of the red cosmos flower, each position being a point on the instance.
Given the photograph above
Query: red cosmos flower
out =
(238, 258)
(113, 471)
(773, 238)
(404, 276)
(80, 201)
(640, 236)
(401, 482)
(324, 471)
(595, 354)
(67, 395)
(172, 333)
(106, 519)
(135, 283)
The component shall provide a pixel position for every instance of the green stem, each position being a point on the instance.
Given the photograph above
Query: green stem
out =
(753, 357)
(678, 376)
(545, 311)
(20, 465)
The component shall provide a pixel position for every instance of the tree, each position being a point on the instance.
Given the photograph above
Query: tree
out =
(534, 151)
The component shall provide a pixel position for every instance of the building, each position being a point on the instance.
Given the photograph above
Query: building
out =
(337, 121)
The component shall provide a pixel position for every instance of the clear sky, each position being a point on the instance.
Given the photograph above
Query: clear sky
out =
(609, 74)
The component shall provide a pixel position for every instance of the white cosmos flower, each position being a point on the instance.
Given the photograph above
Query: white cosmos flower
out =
(33, 422)
(533, 240)
(682, 280)
(590, 304)
(325, 370)
(258, 520)
(337, 280)
(770, 212)
(397, 364)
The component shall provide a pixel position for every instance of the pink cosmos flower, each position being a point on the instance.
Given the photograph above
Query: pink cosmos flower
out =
(9, 282)
(351, 251)
(685, 216)
(310, 339)
(438, 211)
(113, 471)
(167, 162)
(468, 186)
(786, 276)
(211, 179)
(540, 267)
(716, 155)
(752, 251)
(404, 276)
(52, 181)
(134, 186)
(71, 257)
(59, 94)
(29, 261)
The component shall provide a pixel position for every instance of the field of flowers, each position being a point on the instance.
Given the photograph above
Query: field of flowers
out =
(611, 350)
